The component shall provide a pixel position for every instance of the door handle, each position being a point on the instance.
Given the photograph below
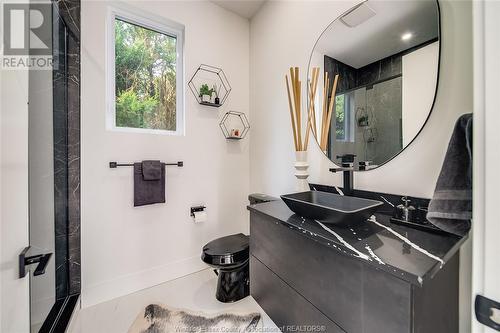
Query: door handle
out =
(487, 312)
(41, 259)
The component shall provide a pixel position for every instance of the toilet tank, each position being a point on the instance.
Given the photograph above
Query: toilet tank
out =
(256, 198)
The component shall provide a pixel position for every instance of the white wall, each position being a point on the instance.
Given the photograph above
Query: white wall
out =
(486, 154)
(14, 299)
(283, 35)
(419, 83)
(125, 249)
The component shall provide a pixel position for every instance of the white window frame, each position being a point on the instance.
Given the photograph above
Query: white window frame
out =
(349, 115)
(158, 24)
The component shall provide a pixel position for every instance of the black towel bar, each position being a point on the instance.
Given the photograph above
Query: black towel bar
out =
(113, 165)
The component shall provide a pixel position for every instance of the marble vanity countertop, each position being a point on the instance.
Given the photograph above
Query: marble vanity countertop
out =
(409, 254)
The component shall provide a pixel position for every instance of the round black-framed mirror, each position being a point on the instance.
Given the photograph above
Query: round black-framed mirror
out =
(380, 60)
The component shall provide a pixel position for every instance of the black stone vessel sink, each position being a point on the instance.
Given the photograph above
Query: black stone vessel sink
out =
(331, 208)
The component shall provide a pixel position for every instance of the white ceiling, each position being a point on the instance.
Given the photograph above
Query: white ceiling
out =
(244, 8)
(380, 36)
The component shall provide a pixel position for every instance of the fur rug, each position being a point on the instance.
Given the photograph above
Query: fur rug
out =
(158, 318)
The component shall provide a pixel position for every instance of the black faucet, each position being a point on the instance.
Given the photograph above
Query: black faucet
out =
(347, 167)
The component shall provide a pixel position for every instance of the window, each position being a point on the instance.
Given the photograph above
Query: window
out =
(340, 130)
(344, 109)
(146, 76)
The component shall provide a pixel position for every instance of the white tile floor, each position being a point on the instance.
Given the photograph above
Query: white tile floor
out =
(193, 292)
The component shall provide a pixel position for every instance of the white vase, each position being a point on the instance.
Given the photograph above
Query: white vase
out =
(301, 172)
(206, 98)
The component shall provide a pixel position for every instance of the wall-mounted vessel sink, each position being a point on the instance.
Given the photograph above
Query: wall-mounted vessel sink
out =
(331, 208)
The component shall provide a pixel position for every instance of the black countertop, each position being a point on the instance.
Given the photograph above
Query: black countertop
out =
(409, 254)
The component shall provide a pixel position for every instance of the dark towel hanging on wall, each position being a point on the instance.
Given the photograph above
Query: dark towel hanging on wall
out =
(151, 170)
(149, 183)
(451, 206)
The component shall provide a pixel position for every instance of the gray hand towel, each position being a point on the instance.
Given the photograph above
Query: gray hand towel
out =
(147, 192)
(151, 170)
(451, 206)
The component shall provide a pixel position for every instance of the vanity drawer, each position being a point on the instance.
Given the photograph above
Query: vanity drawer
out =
(288, 309)
(356, 296)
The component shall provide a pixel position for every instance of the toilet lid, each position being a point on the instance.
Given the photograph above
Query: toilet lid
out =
(227, 250)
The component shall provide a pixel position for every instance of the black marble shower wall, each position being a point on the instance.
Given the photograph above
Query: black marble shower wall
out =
(66, 101)
(381, 70)
(352, 78)
(347, 74)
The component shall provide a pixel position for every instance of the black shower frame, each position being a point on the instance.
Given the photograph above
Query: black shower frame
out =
(66, 149)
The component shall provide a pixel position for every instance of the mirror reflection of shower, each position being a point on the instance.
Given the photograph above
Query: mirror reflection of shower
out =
(386, 57)
(368, 121)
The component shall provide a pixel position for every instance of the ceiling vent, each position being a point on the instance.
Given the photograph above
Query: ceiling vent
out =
(358, 15)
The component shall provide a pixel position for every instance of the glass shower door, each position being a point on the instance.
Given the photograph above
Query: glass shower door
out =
(48, 181)
(41, 192)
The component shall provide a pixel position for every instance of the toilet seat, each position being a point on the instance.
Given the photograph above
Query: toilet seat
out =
(227, 252)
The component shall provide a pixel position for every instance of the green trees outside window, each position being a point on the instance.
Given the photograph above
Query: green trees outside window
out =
(145, 77)
(340, 117)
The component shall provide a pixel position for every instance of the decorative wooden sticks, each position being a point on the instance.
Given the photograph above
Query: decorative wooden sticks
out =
(295, 102)
(295, 106)
(328, 114)
(295, 114)
(311, 118)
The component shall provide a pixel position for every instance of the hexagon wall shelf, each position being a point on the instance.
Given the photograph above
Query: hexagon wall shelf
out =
(234, 125)
(210, 86)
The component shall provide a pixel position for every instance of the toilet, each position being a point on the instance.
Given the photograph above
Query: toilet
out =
(229, 257)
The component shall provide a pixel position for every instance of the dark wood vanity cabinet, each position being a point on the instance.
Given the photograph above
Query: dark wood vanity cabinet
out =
(303, 282)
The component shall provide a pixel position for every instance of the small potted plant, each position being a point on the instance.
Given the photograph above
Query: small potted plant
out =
(206, 93)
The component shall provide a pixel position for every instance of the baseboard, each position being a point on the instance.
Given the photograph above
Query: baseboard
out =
(128, 284)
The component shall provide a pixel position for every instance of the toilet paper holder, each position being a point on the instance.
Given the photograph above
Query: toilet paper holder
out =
(197, 209)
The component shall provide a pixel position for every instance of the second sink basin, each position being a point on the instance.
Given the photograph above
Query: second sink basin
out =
(331, 208)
